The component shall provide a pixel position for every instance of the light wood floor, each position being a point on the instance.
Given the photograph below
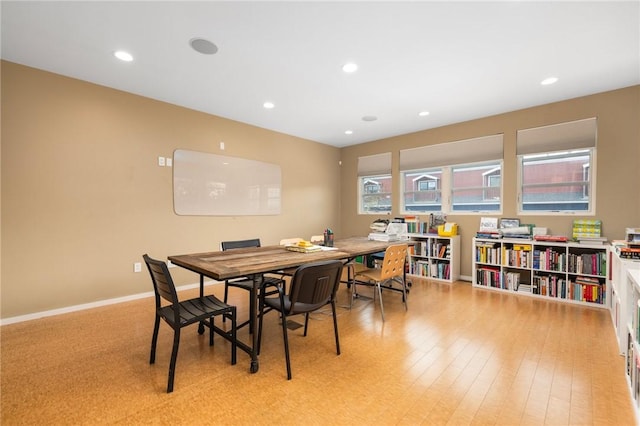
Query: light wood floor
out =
(458, 356)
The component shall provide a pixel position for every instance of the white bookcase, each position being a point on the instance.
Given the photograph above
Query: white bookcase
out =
(568, 272)
(632, 340)
(434, 257)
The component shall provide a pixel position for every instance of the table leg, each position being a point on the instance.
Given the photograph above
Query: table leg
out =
(201, 325)
(257, 282)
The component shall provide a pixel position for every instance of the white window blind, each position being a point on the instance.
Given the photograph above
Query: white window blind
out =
(474, 150)
(371, 165)
(578, 134)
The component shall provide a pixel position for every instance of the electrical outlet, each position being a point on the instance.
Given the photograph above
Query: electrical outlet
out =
(137, 267)
(169, 162)
(222, 146)
(161, 161)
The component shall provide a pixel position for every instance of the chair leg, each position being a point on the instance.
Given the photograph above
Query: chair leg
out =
(234, 346)
(335, 326)
(380, 297)
(154, 340)
(351, 282)
(306, 323)
(404, 294)
(174, 356)
(286, 345)
(211, 326)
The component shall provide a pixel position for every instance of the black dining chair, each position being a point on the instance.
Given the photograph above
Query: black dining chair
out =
(313, 286)
(179, 314)
(246, 283)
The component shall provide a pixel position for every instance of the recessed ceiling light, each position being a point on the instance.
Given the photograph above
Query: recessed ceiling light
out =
(348, 132)
(423, 113)
(268, 105)
(548, 81)
(350, 67)
(123, 56)
(203, 46)
(369, 118)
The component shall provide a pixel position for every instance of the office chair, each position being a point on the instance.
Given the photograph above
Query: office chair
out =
(313, 286)
(246, 283)
(391, 270)
(181, 314)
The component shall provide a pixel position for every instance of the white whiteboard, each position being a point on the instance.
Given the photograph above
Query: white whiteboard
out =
(216, 185)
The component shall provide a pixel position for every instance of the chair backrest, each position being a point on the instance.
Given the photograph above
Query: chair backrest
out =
(315, 283)
(393, 262)
(230, 245)
(163, 285)
(285, 241)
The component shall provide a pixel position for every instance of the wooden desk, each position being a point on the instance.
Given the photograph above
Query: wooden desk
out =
(255, 261)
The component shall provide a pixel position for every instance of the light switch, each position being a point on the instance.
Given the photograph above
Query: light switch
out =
(222, 146)
(161, 161)
(169, 162)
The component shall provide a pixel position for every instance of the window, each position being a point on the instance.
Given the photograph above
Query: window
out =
(374, 184)
(556, 168)
(461, 177)
(375, 195)
(423, 192)
(476, 187)
(556, 181)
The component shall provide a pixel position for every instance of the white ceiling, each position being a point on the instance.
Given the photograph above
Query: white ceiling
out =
(459, 61)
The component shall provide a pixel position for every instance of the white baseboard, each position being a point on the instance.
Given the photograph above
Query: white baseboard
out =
(84, 306)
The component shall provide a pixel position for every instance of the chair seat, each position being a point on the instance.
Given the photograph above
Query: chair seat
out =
(299, 308)
(194, 310)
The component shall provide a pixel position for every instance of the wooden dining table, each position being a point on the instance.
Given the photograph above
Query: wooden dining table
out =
(255, 261)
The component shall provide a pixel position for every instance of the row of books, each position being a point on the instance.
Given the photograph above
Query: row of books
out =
(423, 268)
(549, 260)
(588, 263)
(519, 255)
(415, 226)
(488, 253)
(435, 249)
(584, 289)
(522, 256)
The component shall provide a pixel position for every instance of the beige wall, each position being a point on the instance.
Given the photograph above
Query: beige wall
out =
(617, 167)
(83, 197)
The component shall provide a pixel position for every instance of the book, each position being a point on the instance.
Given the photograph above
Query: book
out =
(551, 238)
(300, 249)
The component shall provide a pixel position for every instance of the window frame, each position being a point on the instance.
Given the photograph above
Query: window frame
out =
(362, 193)
(588, 191)
(446, 188)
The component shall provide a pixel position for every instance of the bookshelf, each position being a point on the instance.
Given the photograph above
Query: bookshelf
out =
(619, 294)
(435, 257)
(568, 272)
(632, 328)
